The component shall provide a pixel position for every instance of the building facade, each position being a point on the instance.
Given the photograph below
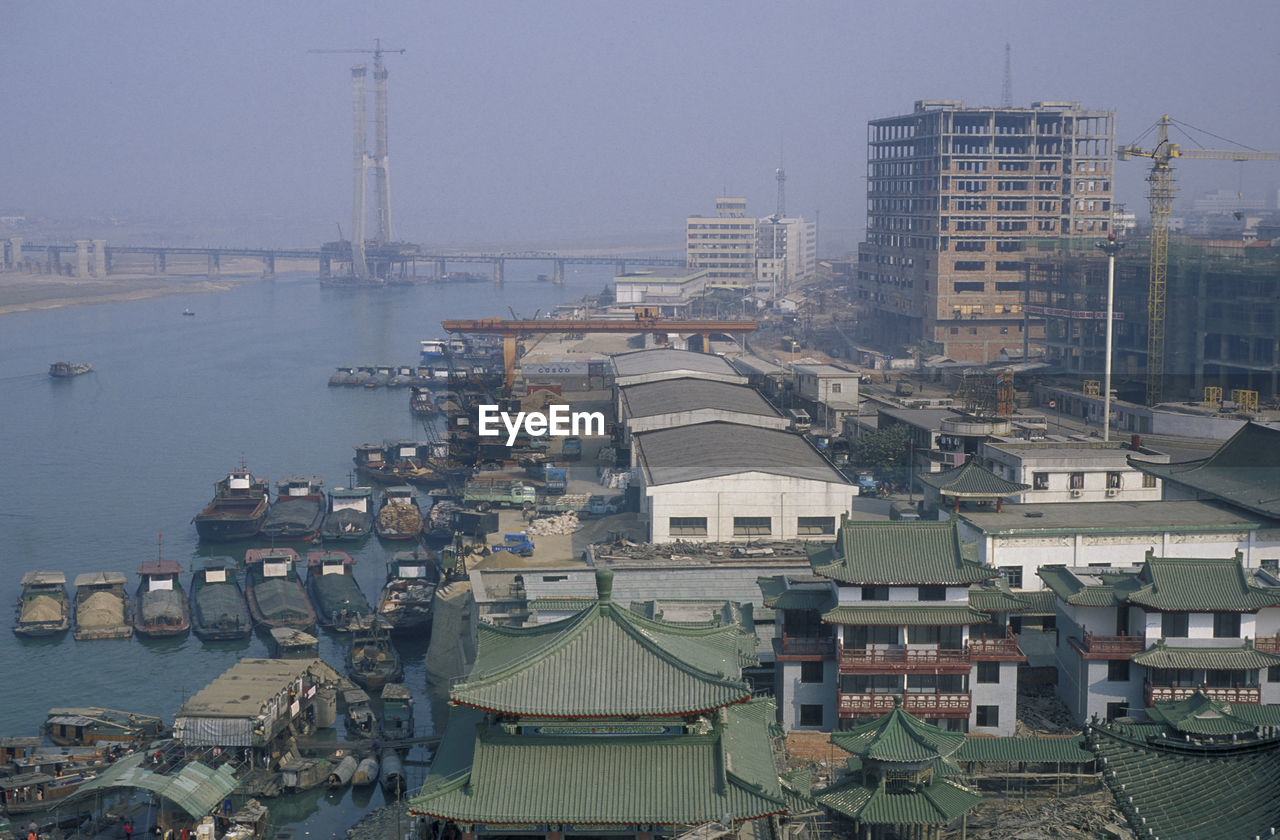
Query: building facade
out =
(954, 197)
(724, 245)
(786, 251)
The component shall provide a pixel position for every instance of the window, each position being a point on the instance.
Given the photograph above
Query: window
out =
(1013, 574)
(859, 637)
(751, 526)
(815, 525)
(810, 672)
(970, 265)
(970, 286)
(1040, 481)
(1148, 481)
(1116, 710)
(687, 526)
(811, 714)
(933, 593)
(951, 638)
(1226, 625)
(1173, 625)
(988, 716)
(1113, 481)
(1273, 673)
(1117, 670)
(875, 593)
(1077, 481)
(835, 387)
(988, 672)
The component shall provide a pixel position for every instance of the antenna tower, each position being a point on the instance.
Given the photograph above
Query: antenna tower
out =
(1006, 95)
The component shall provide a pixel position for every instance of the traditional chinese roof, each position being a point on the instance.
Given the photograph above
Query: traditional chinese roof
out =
(971, 481)
(1069, 750)
(1200, 714)
(1244, 471)
(784, 592)
(939, 801)
(998, 597)
(1089, 587)
(491, 774)
(898, 614)
(1200, 585)
(898, 737)
(897, 553)
(653, 667)
(1235, 658)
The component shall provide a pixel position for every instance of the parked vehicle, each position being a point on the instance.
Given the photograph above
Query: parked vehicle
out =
(487, 493)
(571, 448)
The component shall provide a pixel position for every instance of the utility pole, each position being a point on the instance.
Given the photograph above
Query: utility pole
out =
(1111, 247)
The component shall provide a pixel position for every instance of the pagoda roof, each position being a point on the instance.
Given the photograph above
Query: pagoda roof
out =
(489, 774)
(898, 737)
(1200, 714)
(1244, 471)
(937, 802)
(785, 592)
(898, 614)
(897, 553)
(1170, 584)
(970, 480)
(653, 667)
(1236, 658)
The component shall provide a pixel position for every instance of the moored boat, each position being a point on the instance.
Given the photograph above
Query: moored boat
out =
(350, 514)
(366, 772)
(32, 792)
(332, 583)
(298, 510)
(360, 721)
(85, 725)
(160, 607)
(219, 611)
(397, 712)
(274, 590)
(406, 598)
(62, 370)
(421, 403)
(287, 643)
(102, 607)
(399, 517)
(43, 607)
(238, 508)
(391, 773)
(341, 773)
(372, 661)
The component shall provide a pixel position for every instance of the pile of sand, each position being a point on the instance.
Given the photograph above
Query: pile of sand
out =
(101, 609)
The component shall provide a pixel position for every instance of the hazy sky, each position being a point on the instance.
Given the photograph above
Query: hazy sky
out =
(514, 122)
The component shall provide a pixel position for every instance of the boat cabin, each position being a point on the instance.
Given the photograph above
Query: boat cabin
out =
(397, 711)
(13, 750)
(288, 643)
(159, 576)
(299, 486)
(350, 498)
(90, 724)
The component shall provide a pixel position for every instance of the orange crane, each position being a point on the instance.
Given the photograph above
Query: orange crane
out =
(643, 322)
(1161, 197)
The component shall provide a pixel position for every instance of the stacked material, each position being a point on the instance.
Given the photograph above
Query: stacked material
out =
(101, 609)
(616, 479)
(346, 521)
(400, 519)
(40, 609)
(564, 523)
(441, 515)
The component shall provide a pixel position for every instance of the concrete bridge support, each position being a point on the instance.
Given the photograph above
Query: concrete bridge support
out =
(13, 258)
(621, 268)
(557, 274)
(82, 258)
(498, 269)
(269, 265)
(441, 269)
(161, 263)
(100, 258)
(215, 265)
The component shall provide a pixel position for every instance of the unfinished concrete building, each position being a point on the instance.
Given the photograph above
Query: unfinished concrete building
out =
(953, 196)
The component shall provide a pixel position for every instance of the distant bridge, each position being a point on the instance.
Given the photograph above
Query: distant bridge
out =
(95, 258)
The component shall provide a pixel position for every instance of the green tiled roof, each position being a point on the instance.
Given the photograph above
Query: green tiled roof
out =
(483, 774)
(1200, 585)
(783, 593)
(898, 737)
(1064, 750)
(1200, 715)
(797, 791)
(1244, 657)
(651, 667)
(889, 613)
(1042, 602)
(939, 801)
(1110, 589)
(1245, 471)
(971, 481)
(561, 603)
(897, 553)
(998, 598)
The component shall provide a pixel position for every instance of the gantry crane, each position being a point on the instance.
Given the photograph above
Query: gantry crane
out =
(1161, 197)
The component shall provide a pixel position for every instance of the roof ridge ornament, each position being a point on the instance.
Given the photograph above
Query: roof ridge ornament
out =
(604, 586)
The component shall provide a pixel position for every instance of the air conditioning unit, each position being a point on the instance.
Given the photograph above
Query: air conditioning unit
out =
(1075, 494)
(1111, 491)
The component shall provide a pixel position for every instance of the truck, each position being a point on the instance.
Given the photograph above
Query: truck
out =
(555, 479)
(486, 493)
(867, 484)
(603, 505)
(577, 502)
(572, 448)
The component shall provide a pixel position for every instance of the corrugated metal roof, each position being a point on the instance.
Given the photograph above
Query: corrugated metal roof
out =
(1065, 750)
(665, 359)
(196, 788)
(1242, 658)
(1111, 517)
(242, 689)
(668, 396)
(1244, 471)
(711, 450)
(898, 553)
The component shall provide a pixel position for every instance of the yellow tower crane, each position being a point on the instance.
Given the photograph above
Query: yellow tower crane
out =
(1161, 196)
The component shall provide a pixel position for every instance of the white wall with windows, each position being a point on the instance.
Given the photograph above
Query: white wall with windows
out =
(746, 506)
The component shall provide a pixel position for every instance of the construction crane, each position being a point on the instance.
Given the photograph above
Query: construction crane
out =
(1161, 197)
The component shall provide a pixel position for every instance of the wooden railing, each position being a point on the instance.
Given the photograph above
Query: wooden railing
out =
(897, 660)
(1094, 643)
(1238, 694)
(935, 704)
(808, 645)
(1268, 644)
(997, 649)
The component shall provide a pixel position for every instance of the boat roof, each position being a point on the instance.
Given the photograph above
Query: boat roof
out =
(44, 578)
(315, 558)
(351, 491)
(396, 691)
(289, 637)
(259, 555)
(99, 579)
(160, 567)
(217, 561)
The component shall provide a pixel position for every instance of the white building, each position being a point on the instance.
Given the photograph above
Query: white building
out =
(670, 290)
(1074, 471)
(830, 392)
(723, 481)
(786, 251)
(724, 245)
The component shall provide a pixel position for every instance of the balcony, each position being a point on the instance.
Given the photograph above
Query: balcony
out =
(998, 650)
(951, 704)
(903, 660)
(1110, 647)
(806, 645)
(1166, 693)
(1268, 644)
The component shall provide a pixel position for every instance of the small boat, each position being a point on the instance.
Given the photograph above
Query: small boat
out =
(188, 312)
(160, 607)
(391, 773)
(359, 719)
(406, 598)
(399, 517)
(63, 370)
(344, 375)
(372, 661)
(287, 643)
(421, 402)
(43, 607)
(102, 608)
(366, 772)
(238, 508)
(397, 712)
(274, 591)
(298, 510)
(350, 514)
(332, 583)
(462, 277)
(341, 774)
(87, 725)
(218, 609)
(32, 792)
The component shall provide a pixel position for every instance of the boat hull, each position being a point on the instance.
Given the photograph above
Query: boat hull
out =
(219, 622)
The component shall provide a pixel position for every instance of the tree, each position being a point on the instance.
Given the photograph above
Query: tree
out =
(886, 451)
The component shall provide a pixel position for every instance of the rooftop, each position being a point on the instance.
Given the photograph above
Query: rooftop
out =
(1109, 517)
(248, 685)
(1244, 471)
(666, 360)
(668, 396)
(1170, 584)
(897, 553)
(971, 481)
(710, 450)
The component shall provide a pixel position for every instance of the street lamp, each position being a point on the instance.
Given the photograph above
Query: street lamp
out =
(1111, 247)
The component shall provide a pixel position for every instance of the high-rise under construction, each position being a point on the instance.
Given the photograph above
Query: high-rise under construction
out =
(955, 195)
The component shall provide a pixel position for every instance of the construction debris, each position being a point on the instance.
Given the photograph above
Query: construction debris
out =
(1041, 713)
(561, 523)
(1067, 818)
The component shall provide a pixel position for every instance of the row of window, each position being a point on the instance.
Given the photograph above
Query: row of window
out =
(1075, 481)
(751, 526)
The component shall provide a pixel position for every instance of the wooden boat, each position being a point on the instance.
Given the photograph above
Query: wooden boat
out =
(340, 775)
(298, 511)
(399, 517)
(406, 598)
(63, 370)
(160, 606)
(421, 403)
(359, 719)
(102, 608)
(391, 773)
(397, 712)
(350, 514)
(43, 607)
(32, 792)
(366, 772)
(287, 643)
(334, 591)
(372, 661)
(87, 725)
(274, 591)
(219, 611)
(238, 508)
